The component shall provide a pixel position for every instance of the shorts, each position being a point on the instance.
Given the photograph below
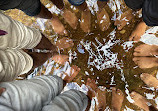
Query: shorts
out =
(79, 2)
(30, 7)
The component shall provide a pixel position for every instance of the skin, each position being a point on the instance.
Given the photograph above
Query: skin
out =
(139, 101)
(117, 99)
(70, 18)
(146, 50)
(122, 20)
(85, 23)
(2, 90)
(74, 70)
(102, 16)
(100, 94)
(56, 24)
(146, 62)
(46, 44)
(138, 32)
(149, 80)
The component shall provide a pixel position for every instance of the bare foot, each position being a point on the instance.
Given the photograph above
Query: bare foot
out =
(146, 50)
(70, 18)
(117, 99)
(64, 43)
(123, 19)
(2, 90)
(149, 80)
(101, 100)
(73, 72)
(61, 59)
(58, 26)
(103, 19)
(140, 101)
(138, 32)
(85, 21)
(146, 62)
(100, 94)
(92, 87)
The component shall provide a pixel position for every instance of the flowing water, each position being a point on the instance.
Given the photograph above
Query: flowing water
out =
(103, 56)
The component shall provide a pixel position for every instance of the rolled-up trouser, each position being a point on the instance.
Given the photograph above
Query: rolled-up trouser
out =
(19, 36)
(13, 60)
(79, 2)
(13, 63)
(71, 100)
(40, 93)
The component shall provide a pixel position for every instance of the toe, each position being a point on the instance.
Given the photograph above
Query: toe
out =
(113, 89)
(137, 49)
(132, 36)
(119, 92)
(136, 54)
(136, 38)
(117, 22)
(144, 76)
(133, 94)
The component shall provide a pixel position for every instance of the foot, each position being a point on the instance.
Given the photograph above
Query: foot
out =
(72, 73)
(57, 26)
(146, 50)
(117, 99)
(140, 101)
(103, 19)
(146, 62)
(64, 43)
(92, 88)
(138, 32)
(61, 59)
(85, 21)
(149, 80)
(100, 94)
(70, 18)
(122, 20)
(101, 100)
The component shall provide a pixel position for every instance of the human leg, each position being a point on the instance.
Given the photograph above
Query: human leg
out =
(117, 99)
(102, 15)
(85, 14)
(71, 100)
(99, 93)
(14, 63)
(30, 95)
(138, 31)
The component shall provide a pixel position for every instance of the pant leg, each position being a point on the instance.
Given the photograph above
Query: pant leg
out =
(30, 95)
(13, 63)
(76, 2)
(19, 36)
(134, 4)
(71, 100)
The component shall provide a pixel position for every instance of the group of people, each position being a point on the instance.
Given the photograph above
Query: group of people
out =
(44, 92)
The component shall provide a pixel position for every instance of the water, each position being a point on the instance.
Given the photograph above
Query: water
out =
(103, 56)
